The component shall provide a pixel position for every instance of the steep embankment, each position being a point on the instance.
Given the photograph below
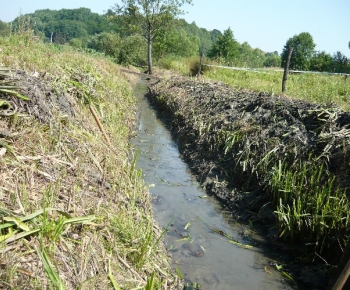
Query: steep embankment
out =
(74, 212)
(276, 161)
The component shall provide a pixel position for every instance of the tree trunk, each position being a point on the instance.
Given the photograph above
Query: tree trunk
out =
(149, 54)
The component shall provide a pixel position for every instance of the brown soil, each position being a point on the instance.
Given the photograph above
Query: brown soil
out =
(200, 112)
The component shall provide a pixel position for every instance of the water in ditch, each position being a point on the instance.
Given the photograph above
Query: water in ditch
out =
(204, 257)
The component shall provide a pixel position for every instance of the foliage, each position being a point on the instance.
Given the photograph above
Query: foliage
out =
(320, 61)
(4, 29)
(133, 51)
(249, 57)
(206, 38)
(175, 42)
(272, 59)
(225, 48)
(149, 18)
(66, 24)
(303, 49)
(108, 43)
(340, 63)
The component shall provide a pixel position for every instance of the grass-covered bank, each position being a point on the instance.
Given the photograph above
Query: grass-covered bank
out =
(74, 212)
(316, 88)
(282, 164)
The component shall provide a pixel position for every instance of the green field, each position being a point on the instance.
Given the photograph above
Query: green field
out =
(317, 88)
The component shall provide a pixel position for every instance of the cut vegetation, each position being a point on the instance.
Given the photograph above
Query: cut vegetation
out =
(74, 211)
(281, 164)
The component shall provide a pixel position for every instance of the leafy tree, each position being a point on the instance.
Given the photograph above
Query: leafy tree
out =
(3, 28)
(321, 61)
(340, 63)
(226, 48)
(249, 57)
(303, 49)
(214, 35)
(148, 18)
(109, 43)
(133, 51)
(272, 59)
(66, 24)
(175, 42)
(206, 38)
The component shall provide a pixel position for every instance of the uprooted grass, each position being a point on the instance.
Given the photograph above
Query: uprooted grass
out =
(74, 212)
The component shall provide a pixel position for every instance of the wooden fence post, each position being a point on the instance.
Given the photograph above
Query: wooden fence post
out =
(342, 273)
(286, 70)
(200, 64)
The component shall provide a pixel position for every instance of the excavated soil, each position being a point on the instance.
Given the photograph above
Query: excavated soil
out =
(201, 112)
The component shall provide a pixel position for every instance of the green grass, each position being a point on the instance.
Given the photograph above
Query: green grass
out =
(75, 212)
(317, 88)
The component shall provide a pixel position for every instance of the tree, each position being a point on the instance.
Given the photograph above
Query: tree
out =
(3, 28)
(321, 61)
(303, 49)
(225, 47)
(340, 63)
(133, 51)
(175, 42)
(272, 59)
(109, 43)
(149, 17)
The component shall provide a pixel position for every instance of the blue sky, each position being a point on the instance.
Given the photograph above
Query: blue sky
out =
(264, 24)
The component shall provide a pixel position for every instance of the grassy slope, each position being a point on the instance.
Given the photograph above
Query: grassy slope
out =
(315, 88)
(94, 227)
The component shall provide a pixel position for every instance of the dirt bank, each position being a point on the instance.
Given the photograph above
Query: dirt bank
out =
(263, 154)
(74, 213)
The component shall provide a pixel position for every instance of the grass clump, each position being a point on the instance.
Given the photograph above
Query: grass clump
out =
(74, 212)
(315, 88)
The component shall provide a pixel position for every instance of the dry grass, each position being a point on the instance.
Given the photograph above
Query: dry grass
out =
(74, 212)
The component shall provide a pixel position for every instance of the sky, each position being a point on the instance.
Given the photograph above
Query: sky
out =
(264, 24)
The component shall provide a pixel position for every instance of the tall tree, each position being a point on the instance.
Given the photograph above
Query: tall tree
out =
(149, 17)
(321, 61)
(226, 48)
(3, 28)
(303, 49)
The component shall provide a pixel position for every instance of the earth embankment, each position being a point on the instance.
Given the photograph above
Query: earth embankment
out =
(278, 162)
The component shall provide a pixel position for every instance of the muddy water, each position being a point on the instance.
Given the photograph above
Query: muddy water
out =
(201, 255)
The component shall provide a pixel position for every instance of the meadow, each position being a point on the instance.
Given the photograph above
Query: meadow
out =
(316, 88)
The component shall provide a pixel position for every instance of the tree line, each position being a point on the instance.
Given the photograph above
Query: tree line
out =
(120, 33)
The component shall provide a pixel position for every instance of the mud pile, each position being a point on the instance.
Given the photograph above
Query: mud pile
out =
(202, 112)
(237, 141)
